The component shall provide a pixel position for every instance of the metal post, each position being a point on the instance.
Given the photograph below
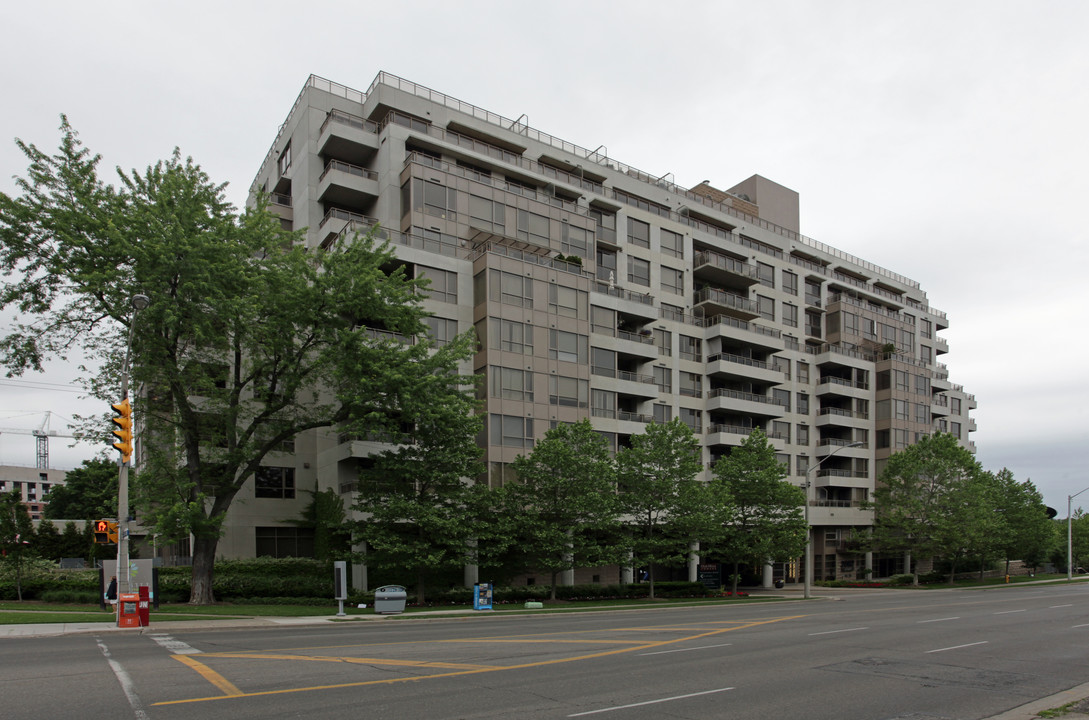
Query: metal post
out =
(139, 302)
(807, 583)
(1070, 534)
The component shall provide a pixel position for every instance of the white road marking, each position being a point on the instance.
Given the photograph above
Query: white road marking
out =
(920, 622)
(1077, 626)
(126, 682)
(650, 702)
(829, 632)
(1007, 612)
(175, 646)
(701, 647)
(956, 647)
(1059, 606)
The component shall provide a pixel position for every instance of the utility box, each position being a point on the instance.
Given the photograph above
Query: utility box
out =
(390, 600)
(128, 611)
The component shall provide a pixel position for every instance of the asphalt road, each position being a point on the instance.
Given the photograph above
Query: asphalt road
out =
(867, 655)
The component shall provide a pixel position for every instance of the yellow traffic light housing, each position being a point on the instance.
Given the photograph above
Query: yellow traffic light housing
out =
(124, 429)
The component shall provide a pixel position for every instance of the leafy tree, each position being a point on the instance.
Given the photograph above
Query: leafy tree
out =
(761, 514)
(1028, 531)
(250, 337)
(76, 543)
(667, 506)
(89, 492)
(932, 500)
(565, 502)
(325, 516)
(16, 536)
(414, 500)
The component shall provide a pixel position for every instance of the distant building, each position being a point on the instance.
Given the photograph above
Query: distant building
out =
(599, 290)
(33, 485)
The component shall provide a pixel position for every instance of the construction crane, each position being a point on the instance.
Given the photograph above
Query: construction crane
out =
(41, 435)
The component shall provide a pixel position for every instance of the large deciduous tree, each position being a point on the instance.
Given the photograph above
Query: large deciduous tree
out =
(1028, 533)
(16, 536)
(250, 338)
(666, 507)
(934, 501)
(89, 492)
(565, 501)
(761, 513)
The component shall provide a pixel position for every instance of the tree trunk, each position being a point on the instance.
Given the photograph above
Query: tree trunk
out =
(555, 575)
(650, 576)
(733, 578)
(204, 556)
(952, 572)
(420, 599)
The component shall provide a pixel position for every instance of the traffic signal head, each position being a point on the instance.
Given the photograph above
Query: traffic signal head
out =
(124, 428)
(102, 532)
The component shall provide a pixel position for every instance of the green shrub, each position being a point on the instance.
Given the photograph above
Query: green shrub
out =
(932, 578)
(902, 579)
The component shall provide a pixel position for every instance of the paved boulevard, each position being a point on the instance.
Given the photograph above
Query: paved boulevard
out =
(866, 655)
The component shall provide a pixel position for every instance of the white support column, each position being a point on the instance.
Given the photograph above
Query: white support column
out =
(627, 572)
(693, 560)
(769, 576)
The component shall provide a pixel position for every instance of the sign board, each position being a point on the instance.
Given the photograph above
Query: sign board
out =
(482, 596)
(710, 574)
(340, 580)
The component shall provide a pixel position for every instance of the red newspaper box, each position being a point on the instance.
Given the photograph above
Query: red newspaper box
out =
(128, 614)
(144, 609)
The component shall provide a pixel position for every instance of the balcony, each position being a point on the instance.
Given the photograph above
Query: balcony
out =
(751, 334)
(841, 418)
(744, 403)
(348, 185)
(830, 446)
(743, 368)
(830, 385)
(834, 477)
(348, 137)
(637, 305)
(336, 219)
(723, 270)
(713, 301)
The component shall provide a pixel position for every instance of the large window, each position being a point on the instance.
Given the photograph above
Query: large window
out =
(511, 289)
(672, 281)
(638, 233)
(434, 199)
(603, 403)
(638, 271)
(765, 273)
(487, 214)
(790, 282)
(568, 302)
(664, 340)
(790, 315)
(511, 336)
(274, 482)
(766, 307)
(663, 378)
(691, 384)
(575, 240)
(568, 346)
(511, 383)
(692, 418)
(443, 286)
(283, 542)
(606, 266)
(606, 224)
(662, 413)
(511, 431)
(690, 348)
(569, 392)
(603, 362)
(533, 227)
(672, 243)
(441, 330)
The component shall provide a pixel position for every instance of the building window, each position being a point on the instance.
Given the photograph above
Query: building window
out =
(926, 354)
(567, 346)
(790, 282)
(672, 243)
(511, 289)
(766, 307)
(922, 385)
(691, 384)
(274, 482)
(803, 372)
(434, 199)
(692, 418)
(602, 362)
(765, 274)
(567, 301)
(284, 542)
(603, 403)
(690, 348)
(606, 224)
(511, 384)
(638, 271)
(781, 397)
(443, 286)
(803, 404)
(803, 434)
(790, 315)
(664, 340)
(672, 281)
(511, 336)
(512, 431)
(284, 163)
(533, 228)
(575, 240)
(568, 392)
(441, 330)
(672, 312)
(927, 330)
(954, 429)
(663, 378)
(638, 233)
(487, 214)
(662, 413)
(922, 414)
(954, 405)
(606, 265)
(780, 430)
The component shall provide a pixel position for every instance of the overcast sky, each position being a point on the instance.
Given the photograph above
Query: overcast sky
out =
(943, 140)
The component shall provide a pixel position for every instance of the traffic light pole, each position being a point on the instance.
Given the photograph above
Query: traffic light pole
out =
(139, 302)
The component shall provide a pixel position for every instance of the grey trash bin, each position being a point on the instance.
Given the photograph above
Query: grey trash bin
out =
(390, 599)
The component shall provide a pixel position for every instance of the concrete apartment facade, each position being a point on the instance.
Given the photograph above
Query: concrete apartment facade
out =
(700, 303)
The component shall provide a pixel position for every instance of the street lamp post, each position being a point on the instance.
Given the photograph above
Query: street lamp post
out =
(808, 530)
(139, 302)
(1070, 535)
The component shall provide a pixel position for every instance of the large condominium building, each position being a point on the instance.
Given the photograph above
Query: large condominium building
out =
(599, 290)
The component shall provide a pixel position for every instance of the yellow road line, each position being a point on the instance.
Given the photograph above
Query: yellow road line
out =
(362, 661)
(210, 675)
(483, 669)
